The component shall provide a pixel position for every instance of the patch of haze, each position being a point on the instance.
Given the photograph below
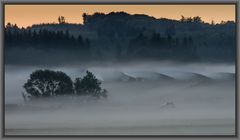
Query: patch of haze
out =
(152, 104)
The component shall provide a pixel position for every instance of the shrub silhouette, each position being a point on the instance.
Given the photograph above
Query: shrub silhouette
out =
(45, 83)
(89, 85)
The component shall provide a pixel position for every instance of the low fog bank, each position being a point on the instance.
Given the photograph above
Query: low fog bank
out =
(116, 75)
(144, 98)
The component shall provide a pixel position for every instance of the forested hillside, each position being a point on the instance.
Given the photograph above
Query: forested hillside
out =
(120, 36)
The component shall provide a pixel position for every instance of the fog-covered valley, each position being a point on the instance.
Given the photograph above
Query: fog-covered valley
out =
(144, 98)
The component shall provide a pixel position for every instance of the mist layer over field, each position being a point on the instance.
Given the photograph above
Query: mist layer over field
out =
(145, 98)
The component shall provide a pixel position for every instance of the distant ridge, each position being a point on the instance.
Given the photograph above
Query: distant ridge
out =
(122, 37)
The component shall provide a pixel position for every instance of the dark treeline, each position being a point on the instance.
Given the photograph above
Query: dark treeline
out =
(121, 36)
(43, 39)
(163, 47)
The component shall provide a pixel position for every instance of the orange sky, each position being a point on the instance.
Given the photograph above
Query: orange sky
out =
(26, 15)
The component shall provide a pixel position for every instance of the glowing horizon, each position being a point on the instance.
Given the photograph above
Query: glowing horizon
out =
(27, 15)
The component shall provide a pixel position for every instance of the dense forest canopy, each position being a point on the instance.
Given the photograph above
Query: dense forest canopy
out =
(120, 36)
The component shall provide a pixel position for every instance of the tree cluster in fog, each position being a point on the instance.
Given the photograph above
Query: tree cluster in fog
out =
(121, 36)
(47, 83)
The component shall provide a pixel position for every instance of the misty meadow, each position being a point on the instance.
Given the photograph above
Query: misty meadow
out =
(120, 74)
